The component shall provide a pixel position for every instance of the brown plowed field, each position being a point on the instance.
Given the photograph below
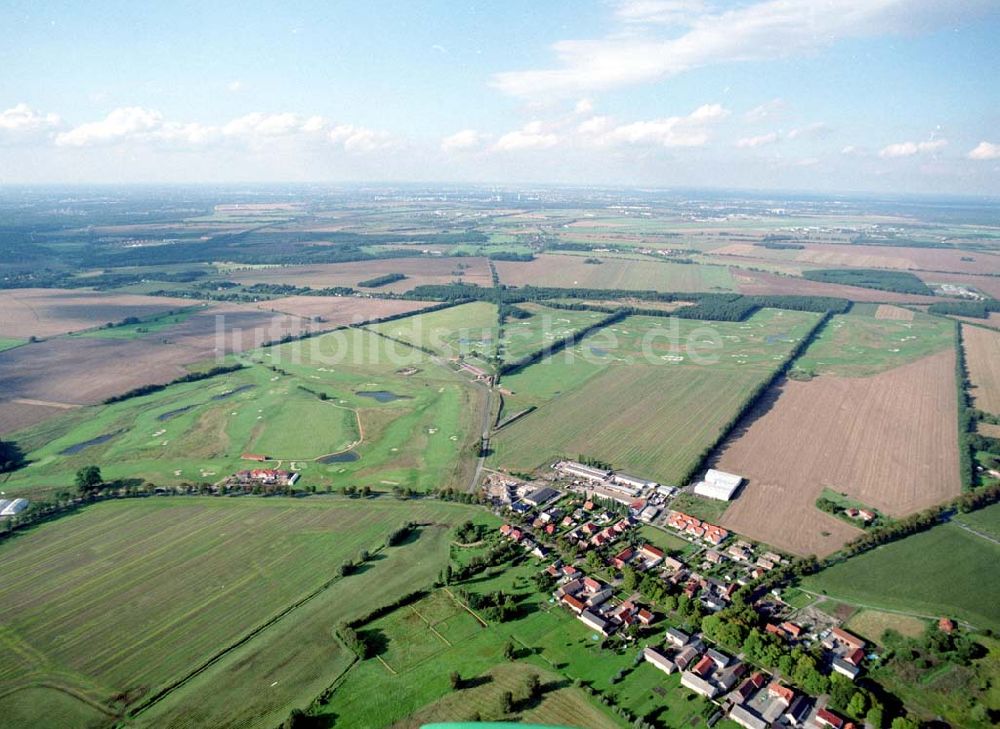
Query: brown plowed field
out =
(49, 312)
(418, 271)
(992, 321)
(338, 310)
(828, 255)
(982, 357)
(895, 313)
(762, 283)
(889, 440)
(86, 370)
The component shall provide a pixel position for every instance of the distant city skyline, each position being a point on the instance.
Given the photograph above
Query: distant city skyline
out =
(847, 95)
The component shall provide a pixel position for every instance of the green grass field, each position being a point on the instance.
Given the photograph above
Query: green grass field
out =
(542, 329)
(616, 271)
(88, 601)
(10, 343)
(646, 394)
(468, 329)
(548, 640)
(859, 345)
(142, 328)
(934, 573)
(197, 432)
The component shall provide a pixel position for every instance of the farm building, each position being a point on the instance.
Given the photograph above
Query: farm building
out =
(541, 496)
(578, 469)
(11, 508)
(267, 476)
(718, 485)
(635, 482)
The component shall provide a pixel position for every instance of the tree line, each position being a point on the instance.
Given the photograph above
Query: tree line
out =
(191, 377)
(902, 282)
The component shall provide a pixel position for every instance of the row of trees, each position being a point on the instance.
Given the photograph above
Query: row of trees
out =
(974, 309)
(191, 377)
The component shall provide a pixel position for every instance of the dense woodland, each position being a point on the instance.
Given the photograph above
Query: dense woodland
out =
(900, 282)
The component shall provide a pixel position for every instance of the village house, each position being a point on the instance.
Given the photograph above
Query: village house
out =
(672, 564)
(651, 556)
(659, 660)
(677, 637)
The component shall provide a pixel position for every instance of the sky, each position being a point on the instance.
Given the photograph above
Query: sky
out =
(816, 95)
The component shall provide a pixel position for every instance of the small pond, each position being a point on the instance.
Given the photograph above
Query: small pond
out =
(382, 395)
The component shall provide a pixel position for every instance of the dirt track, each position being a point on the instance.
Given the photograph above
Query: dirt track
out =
(889, 440)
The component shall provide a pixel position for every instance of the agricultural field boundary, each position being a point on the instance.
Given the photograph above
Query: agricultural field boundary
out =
(222, 653)
(746, 411)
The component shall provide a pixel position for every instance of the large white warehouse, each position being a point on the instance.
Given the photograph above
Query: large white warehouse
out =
(718, 485)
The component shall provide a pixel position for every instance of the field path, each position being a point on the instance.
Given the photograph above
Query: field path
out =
(978, 533)
(879, 608)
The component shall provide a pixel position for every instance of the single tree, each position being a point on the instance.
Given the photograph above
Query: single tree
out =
(508, 651)
(88, 479)
(506, 703)
(534, 686)
(456, 680)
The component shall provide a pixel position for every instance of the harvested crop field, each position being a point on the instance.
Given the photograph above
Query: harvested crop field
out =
(899, 257)
(889, 441)
(763, 283)
(86, 370)
(83, 611)
(418, 271)
(982, 357)
(862, 256)
(872, 624)
(989, 429)
(894, 313)
(50, 312)
(569, 271)
(339, 310)
(992, 321)
(23, 413)
(653, 420)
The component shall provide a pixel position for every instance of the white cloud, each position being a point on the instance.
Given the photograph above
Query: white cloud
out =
(596, 125)
(259, 124)
(22, 119)
(984, 151)
(136, 124)
(583, 106)
(672, 131)
(462, 140)
(758, 141)
(761, 31)
(816, 129)
(767, 110)
(658, 12)
(185, 135)
(531, 136)
(235, 86)
(360, 139)
(908, 149)
(120, 124)
(852, 150)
